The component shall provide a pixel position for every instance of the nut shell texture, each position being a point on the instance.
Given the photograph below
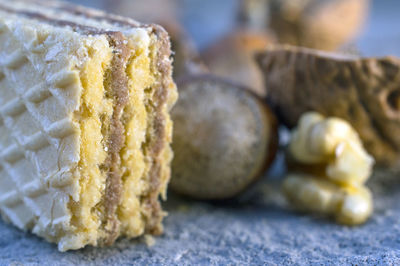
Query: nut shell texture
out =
(224, 138)
(363, 91)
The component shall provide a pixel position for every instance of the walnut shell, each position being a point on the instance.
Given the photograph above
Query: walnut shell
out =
(364, 91)
(224, 138)
(232, 57)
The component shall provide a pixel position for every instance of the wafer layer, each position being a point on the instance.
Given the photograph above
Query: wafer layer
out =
(84, 129)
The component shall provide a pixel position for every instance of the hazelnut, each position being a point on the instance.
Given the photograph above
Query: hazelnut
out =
(225, 137)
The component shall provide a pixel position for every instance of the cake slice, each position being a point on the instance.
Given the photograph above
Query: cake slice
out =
(84, 123)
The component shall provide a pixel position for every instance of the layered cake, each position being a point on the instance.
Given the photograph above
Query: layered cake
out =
(84, 123)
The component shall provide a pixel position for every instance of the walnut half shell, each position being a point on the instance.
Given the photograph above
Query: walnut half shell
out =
(363, 91)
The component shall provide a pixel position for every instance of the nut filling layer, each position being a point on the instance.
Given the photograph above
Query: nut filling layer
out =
(120, 93)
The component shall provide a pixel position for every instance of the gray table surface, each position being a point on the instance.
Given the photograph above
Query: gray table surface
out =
(259, 228)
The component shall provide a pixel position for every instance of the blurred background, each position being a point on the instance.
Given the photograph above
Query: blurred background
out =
(208, 20)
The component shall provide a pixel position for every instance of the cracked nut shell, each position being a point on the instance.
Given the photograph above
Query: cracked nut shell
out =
(363, 91)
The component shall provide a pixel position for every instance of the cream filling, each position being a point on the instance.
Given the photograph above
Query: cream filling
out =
(86, 214)
(144, 173)
(135, 164)
(94, 119)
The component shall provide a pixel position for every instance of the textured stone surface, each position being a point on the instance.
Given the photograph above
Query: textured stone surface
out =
(258, 229)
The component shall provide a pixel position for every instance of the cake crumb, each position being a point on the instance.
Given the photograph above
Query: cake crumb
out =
(149, 240)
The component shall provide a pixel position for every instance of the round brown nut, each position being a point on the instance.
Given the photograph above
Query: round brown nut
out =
(225, 137)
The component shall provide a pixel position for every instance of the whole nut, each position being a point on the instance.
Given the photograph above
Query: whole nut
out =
(224, 139)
